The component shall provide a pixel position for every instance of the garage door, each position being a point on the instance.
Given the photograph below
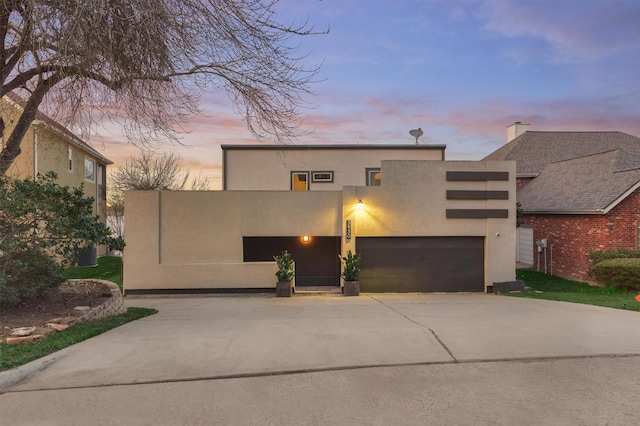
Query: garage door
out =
(421, 264)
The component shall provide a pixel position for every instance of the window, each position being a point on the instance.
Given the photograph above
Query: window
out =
(89, 170)
(70, 159)
(322, 177)
(373, 177)
(102, 187)
(299, 181)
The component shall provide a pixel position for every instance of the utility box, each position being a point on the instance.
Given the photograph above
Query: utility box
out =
(508, 287)
(88, 257)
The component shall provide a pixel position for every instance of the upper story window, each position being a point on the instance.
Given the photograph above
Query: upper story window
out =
(373, 176)
(89, 170)
(299, 181)
(70, 165)
(325, 176)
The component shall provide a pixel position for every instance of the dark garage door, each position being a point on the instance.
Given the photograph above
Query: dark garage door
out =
(421, 264)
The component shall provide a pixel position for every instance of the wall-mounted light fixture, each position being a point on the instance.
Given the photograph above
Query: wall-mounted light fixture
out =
(306, 238)
(360, 205)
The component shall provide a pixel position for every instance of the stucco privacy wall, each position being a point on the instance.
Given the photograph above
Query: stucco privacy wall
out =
(245, 166)
(412, 201)
(193, 240)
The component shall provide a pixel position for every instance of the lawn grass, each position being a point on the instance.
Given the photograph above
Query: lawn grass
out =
(550, 287)
(109, 268)
(13, 356)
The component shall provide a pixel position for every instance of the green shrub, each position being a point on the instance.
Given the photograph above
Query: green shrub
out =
(601, 255)
(26, 275)
(620, 272)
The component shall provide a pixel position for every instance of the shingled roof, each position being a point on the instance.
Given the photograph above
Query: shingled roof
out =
(533, 150)
(575, 172)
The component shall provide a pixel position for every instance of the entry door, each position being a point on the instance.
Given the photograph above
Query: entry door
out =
(421, 264)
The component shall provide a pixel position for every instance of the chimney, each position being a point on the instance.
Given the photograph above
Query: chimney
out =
(516, 129)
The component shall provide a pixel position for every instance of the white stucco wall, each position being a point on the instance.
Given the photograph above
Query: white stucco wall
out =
(193, 240)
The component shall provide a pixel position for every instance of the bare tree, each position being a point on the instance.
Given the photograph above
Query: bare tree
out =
(149, 171)
(142, 62)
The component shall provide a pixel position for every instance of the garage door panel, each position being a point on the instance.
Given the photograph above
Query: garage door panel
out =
(424, 264)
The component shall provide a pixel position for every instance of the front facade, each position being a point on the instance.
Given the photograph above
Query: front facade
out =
(421, 225)
(579, 192)
(48, 146)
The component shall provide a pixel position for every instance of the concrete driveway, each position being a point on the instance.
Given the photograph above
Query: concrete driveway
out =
(230, 359)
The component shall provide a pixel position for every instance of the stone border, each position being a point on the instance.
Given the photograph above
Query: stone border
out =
(112, 307)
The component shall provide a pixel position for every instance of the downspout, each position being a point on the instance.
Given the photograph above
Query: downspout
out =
(35, 153)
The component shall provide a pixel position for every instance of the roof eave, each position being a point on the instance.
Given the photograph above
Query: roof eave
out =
(73, 139)
(624, 195)
(330, 146)
(560, 212)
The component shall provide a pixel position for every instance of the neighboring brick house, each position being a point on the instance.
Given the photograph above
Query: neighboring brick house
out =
(579, 191)
(49, 146)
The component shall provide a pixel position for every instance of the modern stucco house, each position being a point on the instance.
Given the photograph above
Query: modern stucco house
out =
(49, 146)
(579, 192)
(420, 223)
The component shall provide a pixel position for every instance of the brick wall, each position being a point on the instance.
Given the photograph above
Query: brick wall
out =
(575, 236)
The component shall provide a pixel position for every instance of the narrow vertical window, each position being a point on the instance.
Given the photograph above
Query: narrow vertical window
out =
(89, 170)
(374, 177)
(299, 181)
(70, 159)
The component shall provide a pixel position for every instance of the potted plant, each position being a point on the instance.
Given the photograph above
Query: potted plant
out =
(350, 273)
(285, 273)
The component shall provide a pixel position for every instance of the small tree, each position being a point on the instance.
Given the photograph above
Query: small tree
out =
(42, 226)
(150, 171)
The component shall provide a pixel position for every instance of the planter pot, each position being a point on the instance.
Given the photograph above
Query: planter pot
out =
(284, 289)
(351, 288)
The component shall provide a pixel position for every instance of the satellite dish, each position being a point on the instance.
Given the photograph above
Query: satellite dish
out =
(416, 133)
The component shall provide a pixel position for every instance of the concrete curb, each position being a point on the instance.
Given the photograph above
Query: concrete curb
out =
(16, 375)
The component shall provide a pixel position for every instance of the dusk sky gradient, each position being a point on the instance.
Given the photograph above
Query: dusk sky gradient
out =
(462, 70)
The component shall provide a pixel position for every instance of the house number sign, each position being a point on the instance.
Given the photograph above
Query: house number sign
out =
(348, 235)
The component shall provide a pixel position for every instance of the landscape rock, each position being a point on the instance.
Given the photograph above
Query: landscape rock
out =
(23, 331)
(57, 326)
(82, 309)
(18, 340)
(64, 320)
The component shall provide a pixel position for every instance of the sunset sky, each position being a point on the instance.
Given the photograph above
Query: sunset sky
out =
(461, 70)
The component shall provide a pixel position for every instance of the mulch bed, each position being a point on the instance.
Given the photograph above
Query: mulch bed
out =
(55, 303)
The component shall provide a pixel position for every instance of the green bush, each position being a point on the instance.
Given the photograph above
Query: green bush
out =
(601, 255)
(620, 272)
(26, 275)
(42, 226)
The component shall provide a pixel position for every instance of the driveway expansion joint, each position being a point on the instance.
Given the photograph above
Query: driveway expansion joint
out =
(444, 346)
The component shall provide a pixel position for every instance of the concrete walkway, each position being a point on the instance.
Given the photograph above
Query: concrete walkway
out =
(386, 345)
